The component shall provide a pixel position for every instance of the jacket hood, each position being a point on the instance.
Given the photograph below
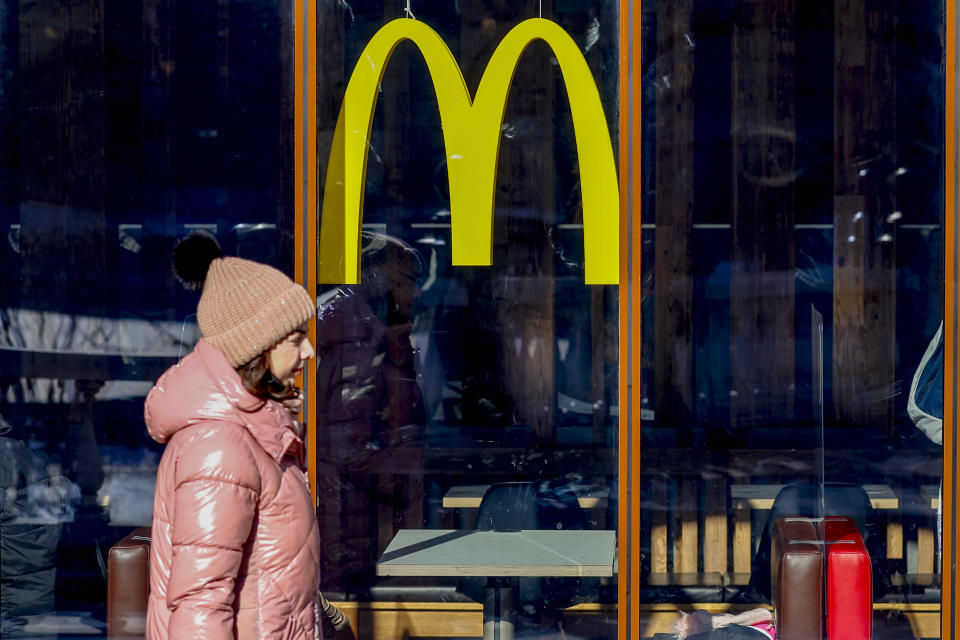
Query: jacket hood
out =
(204, 386)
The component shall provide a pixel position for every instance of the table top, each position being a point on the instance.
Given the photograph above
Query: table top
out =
(469, 496)
(451, 552)
(761, 496)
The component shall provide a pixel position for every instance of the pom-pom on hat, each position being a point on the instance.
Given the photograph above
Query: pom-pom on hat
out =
(246, 307)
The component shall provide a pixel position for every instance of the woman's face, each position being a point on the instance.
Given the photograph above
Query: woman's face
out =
(285, 359)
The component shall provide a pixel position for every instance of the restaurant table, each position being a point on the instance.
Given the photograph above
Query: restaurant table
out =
(497, 555)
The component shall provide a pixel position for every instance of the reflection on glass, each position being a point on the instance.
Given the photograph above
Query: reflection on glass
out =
(124, 129)
(793, 162)
(469, 398)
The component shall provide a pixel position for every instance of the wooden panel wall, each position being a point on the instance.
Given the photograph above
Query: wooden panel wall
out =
(526, 204)
(864, 259)
(126, 113)
(157, 162)
(673, 314)
(396, 152)
(61, 148)
(762, 285)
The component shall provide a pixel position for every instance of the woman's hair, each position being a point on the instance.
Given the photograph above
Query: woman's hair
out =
(258, 380)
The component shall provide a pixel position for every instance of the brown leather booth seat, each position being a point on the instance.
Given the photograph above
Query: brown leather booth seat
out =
(797, 579)
(128, 585)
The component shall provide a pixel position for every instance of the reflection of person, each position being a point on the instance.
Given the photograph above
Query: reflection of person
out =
(371, 416)
(31, 502)
(81, 455)
(235, 549)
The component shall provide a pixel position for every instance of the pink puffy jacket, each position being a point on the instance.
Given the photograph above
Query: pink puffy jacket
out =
(235, 550)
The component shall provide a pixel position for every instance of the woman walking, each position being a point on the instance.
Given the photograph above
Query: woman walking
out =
(235, 551)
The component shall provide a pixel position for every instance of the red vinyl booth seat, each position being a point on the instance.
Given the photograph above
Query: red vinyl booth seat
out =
(849, 582)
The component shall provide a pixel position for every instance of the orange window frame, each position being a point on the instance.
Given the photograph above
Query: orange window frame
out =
(949, 566)
(630, 145)
(305, 199)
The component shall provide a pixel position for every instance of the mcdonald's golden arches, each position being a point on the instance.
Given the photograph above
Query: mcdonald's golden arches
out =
(471, 131)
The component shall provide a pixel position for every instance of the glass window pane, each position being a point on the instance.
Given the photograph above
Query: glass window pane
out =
(793, 258)
(126, 126)
(468, 398)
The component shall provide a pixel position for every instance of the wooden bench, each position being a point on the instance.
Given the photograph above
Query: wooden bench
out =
(673, 509)
(681, 554)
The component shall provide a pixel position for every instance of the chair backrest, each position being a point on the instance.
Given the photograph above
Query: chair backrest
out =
(839, 499)
(529, 505)
(128, 585)
(803, 499)
(508, 505)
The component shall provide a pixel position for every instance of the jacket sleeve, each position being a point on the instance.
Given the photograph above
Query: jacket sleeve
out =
(215, 501)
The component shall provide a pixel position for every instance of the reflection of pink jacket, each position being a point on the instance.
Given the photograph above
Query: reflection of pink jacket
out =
(235, 550)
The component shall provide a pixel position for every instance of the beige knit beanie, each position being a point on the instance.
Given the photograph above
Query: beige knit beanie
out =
(246, 307)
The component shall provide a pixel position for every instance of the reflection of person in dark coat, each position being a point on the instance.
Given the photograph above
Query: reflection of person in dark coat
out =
(370, 413)
(32, 504)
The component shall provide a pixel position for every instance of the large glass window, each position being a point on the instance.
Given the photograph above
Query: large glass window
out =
(125, 125)
(468, 398)
(781, 325)
(793, 246)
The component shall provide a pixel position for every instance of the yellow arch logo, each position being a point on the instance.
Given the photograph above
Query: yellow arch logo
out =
(471, 132)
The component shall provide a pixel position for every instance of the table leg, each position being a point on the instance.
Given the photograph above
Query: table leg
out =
(499, 608)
